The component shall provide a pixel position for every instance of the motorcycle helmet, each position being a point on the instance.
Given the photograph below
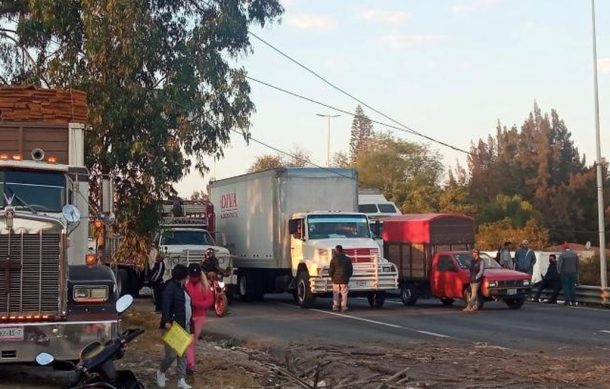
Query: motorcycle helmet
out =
(209, 253)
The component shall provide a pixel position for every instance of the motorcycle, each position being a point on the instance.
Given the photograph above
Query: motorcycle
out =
(221, 304)
(96, 367)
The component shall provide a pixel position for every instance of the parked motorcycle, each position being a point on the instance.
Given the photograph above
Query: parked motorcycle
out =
(96, 367)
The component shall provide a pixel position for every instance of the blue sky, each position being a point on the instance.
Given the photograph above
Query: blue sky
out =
(447, 68)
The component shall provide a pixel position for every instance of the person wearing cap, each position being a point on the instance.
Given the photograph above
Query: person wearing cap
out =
(525, 258)
(175, 307)
(477, 271)
(567, 265)
(202, 299)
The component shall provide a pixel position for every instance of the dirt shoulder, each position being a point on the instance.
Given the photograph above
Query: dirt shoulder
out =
(224, 363)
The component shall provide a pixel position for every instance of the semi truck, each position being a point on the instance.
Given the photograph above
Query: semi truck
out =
(54, 296)
(282, 224)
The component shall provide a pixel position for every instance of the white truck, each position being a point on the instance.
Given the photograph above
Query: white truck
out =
(374, 204)
(282, 224)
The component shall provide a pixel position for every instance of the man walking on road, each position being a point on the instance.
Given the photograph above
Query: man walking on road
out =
(568, 272)
(525, 259)
(477, 270)
(340, 271)
(550, 280)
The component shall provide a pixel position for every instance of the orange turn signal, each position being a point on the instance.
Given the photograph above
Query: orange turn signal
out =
(52, 159)
(91, 259)
(4, 157)
(17, 157)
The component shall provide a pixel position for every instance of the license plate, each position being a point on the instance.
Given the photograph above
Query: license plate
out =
(362, 284)
(511, 292)
(11, 334)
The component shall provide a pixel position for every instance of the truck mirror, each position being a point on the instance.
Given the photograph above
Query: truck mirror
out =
(293, 226)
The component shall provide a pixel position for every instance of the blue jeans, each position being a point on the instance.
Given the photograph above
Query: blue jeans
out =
(568, 281)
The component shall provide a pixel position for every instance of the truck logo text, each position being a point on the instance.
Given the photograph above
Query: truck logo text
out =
(228, 205)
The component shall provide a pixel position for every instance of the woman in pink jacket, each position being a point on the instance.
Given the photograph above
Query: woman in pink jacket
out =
(202, 299)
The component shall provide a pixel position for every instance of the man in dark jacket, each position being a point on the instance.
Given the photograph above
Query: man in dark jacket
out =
(340, 271)
(176, 307)
(156, 275)
(550, 281)
(568, 273)
(477, 271)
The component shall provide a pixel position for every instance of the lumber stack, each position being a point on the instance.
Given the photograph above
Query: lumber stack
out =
(31, 104)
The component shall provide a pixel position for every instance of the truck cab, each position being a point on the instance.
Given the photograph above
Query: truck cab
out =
(450, 278)
(314, 235)
(376, 207)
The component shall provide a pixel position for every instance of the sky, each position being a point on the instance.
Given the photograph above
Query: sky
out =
(449, 69)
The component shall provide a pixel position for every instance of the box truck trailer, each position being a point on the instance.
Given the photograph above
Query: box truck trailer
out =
(282, 224)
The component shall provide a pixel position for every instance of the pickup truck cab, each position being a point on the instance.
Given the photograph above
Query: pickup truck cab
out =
(450, 280)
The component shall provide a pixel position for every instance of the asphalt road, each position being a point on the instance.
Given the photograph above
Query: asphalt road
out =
(536, 327)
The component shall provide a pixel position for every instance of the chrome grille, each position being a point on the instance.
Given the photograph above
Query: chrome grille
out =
(29, 264)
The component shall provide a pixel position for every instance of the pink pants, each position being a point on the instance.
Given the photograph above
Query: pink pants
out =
(198, 323)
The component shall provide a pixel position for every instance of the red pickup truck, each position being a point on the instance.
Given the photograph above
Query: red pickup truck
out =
(432, 254)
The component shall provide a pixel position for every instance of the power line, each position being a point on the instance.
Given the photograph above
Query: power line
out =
(403, 128)
(353, 114)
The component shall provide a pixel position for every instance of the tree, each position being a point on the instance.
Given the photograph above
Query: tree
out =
(341, 160)
(297, 158)
(160, 77)
(199, 195)
(362, 132)
(493, 235)
(266, 162)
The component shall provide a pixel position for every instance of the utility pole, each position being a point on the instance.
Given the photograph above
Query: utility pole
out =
(328, 139)
(600, 179)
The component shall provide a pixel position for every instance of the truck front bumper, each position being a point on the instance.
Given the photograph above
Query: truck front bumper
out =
(502, 293)
(366, 281)
(64, 340)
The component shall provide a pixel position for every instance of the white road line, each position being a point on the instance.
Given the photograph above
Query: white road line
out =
(358, 318)
(433, 334)
(605, 331)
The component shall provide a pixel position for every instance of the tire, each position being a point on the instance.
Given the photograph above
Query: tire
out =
(376, 299)
(122, 282)
(467, 297)
(447, 301)
(221, 305)
(250, 286)
(408, 295)
(515, 303)
(305, 297)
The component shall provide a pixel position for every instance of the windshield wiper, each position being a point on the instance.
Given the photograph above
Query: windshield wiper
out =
(23, 203)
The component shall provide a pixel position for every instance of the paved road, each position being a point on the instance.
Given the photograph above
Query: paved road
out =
(536, 327)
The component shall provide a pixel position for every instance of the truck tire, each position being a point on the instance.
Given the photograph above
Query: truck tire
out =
(467, 297)
(305, 297)
(122, 282)
(376, 299)
(515, 303)
(447, 301)
(250, 286)
(408, 295)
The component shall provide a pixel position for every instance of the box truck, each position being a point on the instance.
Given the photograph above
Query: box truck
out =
(282, 224)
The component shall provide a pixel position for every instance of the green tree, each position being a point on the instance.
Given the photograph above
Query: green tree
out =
(297, 158)
(266, 162)
(163, 88)
(361, 135)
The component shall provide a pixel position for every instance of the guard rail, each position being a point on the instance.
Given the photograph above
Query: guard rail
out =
(585, 294)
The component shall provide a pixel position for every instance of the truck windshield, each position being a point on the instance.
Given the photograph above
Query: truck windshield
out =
(387, 208)
(338, 226)
(187, 237)
(34, 190)
(466, 259)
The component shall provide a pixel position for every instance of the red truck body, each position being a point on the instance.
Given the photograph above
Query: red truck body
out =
(432, 253)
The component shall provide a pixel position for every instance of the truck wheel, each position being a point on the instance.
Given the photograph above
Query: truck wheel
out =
(376, 299)
(408, 295)
(250, 287)
(467, 297)
(447, 301)
(304, 296)
(515, 303)
(122, 282)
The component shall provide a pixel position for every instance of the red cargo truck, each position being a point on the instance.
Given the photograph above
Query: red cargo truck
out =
(432, 253)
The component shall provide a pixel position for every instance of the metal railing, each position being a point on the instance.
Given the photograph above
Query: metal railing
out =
(589, 295)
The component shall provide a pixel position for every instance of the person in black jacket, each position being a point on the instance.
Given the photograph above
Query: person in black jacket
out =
(156, 275)
(550, 280)
(176, 307)
(340, 271)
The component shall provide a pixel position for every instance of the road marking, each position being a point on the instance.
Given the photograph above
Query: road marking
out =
(605, 331)
(358, 318)
(434, 334)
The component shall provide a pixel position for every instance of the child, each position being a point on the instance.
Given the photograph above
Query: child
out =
(203, 298)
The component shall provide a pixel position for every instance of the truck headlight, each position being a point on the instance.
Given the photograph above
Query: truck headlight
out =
(493, 284)
(90, 294)
(526, 282)
(386, 269)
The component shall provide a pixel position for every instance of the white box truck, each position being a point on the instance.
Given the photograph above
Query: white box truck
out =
(282, 224)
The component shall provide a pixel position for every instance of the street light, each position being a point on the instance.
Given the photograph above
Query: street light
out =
(600, 181)
(328, 142)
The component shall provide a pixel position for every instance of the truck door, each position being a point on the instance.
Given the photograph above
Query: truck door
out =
(446, 275)
(297, 239)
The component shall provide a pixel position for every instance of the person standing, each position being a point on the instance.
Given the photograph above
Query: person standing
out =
(477, 271)
(176, 307)
(525, 259)
(340, 271)
(156, 275)
(203, 298)
(550, 280)
(568, 273)
(505, 260)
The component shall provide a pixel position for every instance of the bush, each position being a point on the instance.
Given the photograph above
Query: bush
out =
(589, 271)
(493, 235)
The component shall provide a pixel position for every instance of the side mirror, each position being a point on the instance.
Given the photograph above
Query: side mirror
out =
(44, 359)
(124, 303)
(293, 226)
